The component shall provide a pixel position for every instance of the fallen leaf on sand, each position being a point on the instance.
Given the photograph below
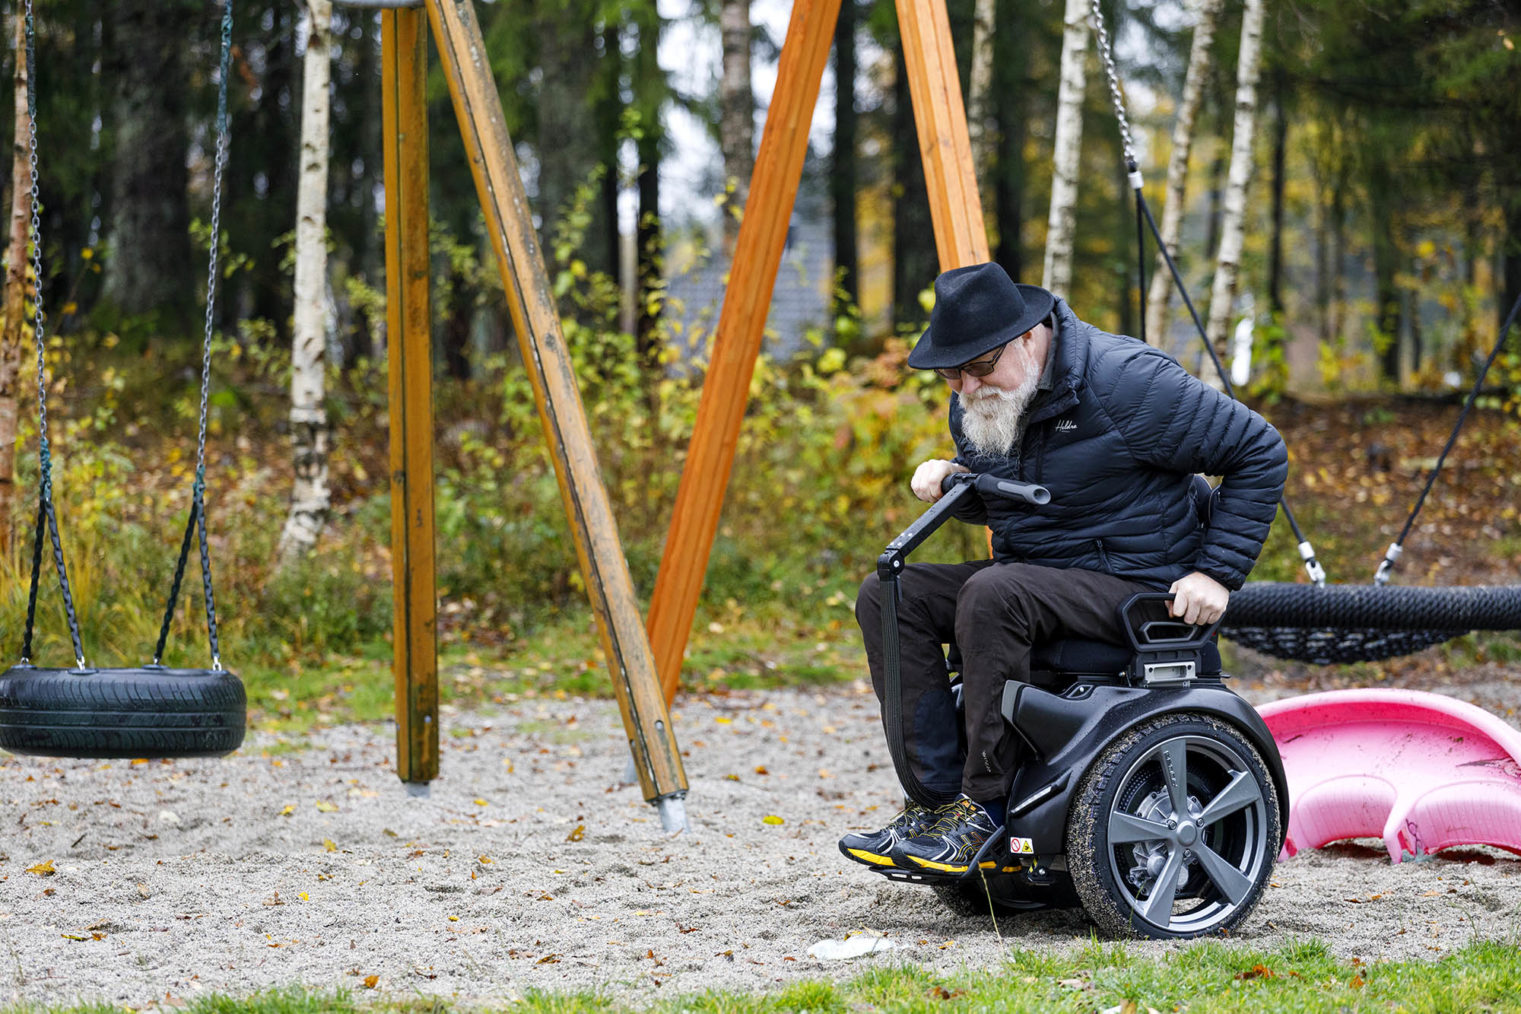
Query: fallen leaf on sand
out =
(773, 819)
(370, 981)
(577, 834)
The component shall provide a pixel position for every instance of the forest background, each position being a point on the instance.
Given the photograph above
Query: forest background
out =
(1382, 246)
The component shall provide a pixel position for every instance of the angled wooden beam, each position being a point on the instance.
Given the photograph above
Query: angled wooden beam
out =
(535, 318)
(737, 340)
(961, 236)
(414, 658)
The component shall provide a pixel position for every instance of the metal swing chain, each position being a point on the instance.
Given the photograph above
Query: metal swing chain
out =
(197, 520)
(46, 517)
(1312, 565)
(1106, 53)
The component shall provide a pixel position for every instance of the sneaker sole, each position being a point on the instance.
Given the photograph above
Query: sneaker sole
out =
(869, 858)
(930, 864)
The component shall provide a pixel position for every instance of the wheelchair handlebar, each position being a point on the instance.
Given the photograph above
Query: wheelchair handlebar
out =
(991, 485)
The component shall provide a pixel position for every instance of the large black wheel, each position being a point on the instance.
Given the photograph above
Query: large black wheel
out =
(1173, 831)
(147, 712)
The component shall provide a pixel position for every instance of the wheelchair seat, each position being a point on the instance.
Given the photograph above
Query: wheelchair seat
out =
(1078, 655)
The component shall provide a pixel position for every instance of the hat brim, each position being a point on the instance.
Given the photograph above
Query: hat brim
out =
(926, 356)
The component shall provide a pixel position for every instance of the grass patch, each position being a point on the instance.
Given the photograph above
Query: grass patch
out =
(1200, 978)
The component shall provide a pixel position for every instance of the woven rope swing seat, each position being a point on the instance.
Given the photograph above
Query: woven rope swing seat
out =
(1362, 623)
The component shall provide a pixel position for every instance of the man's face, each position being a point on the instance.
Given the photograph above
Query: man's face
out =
(1019, 362)
(993, 405)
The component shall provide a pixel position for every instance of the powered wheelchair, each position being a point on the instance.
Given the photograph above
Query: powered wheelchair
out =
(1150, 793)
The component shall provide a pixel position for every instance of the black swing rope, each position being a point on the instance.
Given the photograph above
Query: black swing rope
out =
(46, 516)
(1319, 623)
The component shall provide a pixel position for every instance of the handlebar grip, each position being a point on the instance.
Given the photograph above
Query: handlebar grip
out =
(1029, 492)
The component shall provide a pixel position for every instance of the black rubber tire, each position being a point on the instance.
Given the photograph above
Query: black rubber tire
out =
(1251, 840)
(148, 712)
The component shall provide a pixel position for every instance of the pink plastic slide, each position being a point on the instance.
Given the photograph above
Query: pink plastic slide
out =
(1422, 771)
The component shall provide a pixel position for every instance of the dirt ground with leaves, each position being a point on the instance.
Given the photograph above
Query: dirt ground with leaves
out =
(529, 865)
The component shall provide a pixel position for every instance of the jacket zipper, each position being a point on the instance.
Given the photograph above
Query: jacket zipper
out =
(1103, 556)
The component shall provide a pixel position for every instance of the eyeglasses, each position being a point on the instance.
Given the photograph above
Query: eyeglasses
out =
(977, 367)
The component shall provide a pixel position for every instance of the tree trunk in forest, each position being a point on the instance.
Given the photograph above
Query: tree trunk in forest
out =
(1388, 315)
(568, 147)
(1510, 272)
(844, 174)
(609, 121)
(150, 260)
(311, 497)
(13, 329)
(915, 260)
(1200, 55)
(736, 118)
(979, 119)
(1061, 225)
(1233, 223)
(1008, 169)
(648, 97)
(1280, 154)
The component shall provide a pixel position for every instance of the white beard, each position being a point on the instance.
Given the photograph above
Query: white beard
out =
(992, 417)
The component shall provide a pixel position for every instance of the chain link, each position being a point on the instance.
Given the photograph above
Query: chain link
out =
(46, 518)
(1106, 52)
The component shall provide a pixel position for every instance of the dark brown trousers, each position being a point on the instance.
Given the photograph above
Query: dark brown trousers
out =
(994, 612)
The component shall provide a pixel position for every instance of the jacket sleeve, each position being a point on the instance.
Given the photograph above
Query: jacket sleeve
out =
(1172, 420)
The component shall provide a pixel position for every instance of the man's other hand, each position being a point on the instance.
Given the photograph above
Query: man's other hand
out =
(928, 476)
(1197, 598)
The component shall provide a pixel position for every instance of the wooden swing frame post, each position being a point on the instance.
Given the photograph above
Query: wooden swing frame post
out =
(960, 239)
(604, 568)
(414, 656)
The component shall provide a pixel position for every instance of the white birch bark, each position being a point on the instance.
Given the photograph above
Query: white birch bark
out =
(979, 94)
(310, 495)
(736, 114)
(1233, 220)
(1061, 225)
(1201, 53)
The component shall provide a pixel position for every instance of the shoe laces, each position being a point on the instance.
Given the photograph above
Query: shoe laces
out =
(912, 814)
(957, 813)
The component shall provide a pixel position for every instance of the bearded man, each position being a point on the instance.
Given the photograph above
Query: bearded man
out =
(1117, 431)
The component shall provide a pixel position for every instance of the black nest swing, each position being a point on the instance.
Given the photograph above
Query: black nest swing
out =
(1317, 622)
(149, 711)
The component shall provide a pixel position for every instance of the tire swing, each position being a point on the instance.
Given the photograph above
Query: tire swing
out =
(150, 711)
(1319, 623)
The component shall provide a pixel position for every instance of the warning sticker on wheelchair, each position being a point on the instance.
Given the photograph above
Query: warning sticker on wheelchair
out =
(1022, 846)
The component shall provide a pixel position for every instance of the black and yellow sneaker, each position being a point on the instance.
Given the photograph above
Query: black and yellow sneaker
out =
(873, 847)
(950, 843)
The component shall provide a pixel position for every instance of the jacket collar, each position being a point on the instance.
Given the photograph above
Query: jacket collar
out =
(1069, 364)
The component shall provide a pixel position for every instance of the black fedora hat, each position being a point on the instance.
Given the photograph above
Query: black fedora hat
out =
(977, 309)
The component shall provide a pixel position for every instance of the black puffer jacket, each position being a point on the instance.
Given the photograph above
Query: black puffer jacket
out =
(1117, 440)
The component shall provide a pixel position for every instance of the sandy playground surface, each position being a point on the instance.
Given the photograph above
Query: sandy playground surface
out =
(530, 866)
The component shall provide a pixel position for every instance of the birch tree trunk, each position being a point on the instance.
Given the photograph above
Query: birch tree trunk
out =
(1199, 57)
(13, 328)
(310, 496)
(736, 122)
(979, 97)
(1061, 227)
(1233, 222)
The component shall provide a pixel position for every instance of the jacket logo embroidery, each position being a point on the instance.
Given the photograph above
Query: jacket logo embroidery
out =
(1065, 425)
